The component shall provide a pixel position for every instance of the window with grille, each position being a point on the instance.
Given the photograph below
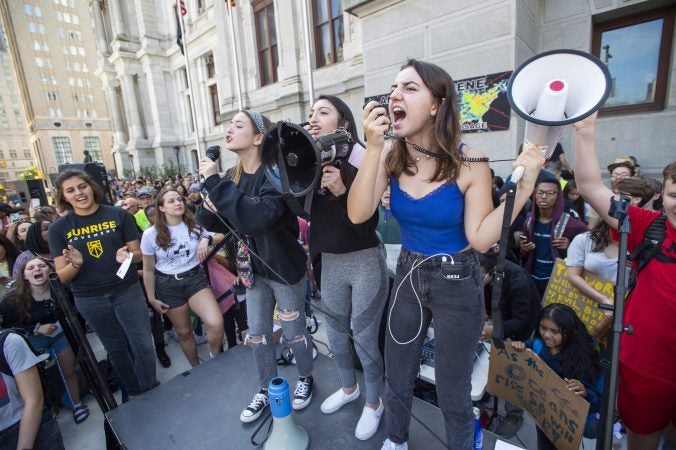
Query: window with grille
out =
(62, 150)
(93, 145)
(210, 66)
(328, 26)
(215, 105)
(266, 41)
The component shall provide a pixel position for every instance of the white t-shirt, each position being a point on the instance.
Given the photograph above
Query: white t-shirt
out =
(580, 255)
(19, 358)
(181, 255)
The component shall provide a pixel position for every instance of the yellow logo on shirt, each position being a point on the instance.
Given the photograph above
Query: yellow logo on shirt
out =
(95, 248)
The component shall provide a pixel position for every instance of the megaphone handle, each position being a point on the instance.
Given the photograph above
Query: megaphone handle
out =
(517, 174)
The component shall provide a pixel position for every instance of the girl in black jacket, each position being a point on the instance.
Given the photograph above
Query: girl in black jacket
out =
(269, 229)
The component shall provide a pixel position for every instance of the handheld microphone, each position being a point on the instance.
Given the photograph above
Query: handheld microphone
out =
(213, 153)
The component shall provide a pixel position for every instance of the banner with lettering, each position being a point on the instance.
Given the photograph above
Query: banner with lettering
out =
(483, 102)
(525, 380)
(560, 290)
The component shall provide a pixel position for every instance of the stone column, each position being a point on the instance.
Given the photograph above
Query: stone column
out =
(118, 132)
(99, 27)
(116, 17)
(133, 116)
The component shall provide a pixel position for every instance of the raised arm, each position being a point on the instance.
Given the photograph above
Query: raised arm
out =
(371, 180)
(483, 223)
(587, 170)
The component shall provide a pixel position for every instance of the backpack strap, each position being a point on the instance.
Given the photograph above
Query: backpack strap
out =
(652, 242)
(4, 365)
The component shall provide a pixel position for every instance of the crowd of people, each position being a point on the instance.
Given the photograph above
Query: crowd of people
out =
(418, 185)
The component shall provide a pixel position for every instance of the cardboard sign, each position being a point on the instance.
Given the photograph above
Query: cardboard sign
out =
(525, 380)
(560, 290)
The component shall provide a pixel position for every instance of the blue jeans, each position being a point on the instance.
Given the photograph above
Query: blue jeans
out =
(457, 307)
(260, 306)
(119, 318)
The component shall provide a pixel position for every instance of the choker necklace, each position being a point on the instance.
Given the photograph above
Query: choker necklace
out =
(430, 153)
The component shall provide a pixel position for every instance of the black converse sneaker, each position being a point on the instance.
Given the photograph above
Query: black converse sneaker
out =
(303, 393)
(259, 402)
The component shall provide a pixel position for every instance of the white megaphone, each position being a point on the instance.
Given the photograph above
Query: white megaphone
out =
(285, 435)
(554, 89)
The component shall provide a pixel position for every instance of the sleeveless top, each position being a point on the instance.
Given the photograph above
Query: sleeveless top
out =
(433, 224)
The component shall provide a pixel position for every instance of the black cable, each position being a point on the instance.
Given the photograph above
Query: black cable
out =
(386, 380)
(268, 415)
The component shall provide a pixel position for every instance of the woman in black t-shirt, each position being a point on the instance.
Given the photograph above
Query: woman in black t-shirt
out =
(93, 247)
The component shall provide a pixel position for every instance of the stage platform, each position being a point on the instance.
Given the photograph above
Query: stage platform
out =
(199, 409)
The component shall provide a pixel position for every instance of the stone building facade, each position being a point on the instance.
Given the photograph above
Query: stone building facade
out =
(149, 90)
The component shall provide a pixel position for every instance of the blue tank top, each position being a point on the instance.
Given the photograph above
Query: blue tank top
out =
(432, 224)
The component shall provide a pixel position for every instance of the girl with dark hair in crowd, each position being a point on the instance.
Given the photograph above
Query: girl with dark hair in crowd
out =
(575, 202)
(268, 228)
(563, 343)
(8, 255)
(29, 305)
(173, 249)
(90, 245)
(37, 245)
(441, 197)
(182, 191)
(353, 272)
(16, 233)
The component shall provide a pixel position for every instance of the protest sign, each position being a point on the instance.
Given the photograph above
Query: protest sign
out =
(525, 380)
(560, 290)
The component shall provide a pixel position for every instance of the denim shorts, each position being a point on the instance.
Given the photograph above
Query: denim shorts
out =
(42, 343)
(175, 290)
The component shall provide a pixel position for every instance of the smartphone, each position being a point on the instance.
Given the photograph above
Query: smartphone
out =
(35, 202)
(14, 217)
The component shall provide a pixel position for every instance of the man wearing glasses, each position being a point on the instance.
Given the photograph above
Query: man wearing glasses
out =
(547, 231)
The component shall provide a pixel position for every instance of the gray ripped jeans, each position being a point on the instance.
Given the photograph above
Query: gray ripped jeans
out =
(260, 305)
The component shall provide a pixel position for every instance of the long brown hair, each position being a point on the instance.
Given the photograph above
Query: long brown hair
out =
(447, 132)
(163, 235)
(20, 297)
(74, 173)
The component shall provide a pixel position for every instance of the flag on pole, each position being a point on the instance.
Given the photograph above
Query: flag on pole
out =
(179, 33)
(184, 10)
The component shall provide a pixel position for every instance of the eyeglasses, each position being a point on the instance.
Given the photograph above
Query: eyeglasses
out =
(545, 193)
(620, 175)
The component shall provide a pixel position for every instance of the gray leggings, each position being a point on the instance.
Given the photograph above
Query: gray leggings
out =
(353, 293)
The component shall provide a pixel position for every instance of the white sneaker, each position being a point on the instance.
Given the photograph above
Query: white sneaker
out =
(338, 399)
(389, 445)
(368, 422)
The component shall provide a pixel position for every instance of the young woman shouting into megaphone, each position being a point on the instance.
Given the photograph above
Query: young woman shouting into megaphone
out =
(353, 275)
(270, 261)
(441, 197)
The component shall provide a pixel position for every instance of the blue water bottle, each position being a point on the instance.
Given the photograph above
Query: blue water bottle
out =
(478, 431)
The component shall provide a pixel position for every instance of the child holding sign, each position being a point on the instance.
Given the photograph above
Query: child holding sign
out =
(562, 341)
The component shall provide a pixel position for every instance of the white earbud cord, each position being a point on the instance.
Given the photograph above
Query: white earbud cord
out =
(415, 265)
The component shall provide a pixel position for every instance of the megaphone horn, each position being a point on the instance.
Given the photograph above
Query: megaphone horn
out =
(554, 89)
(285, 433)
